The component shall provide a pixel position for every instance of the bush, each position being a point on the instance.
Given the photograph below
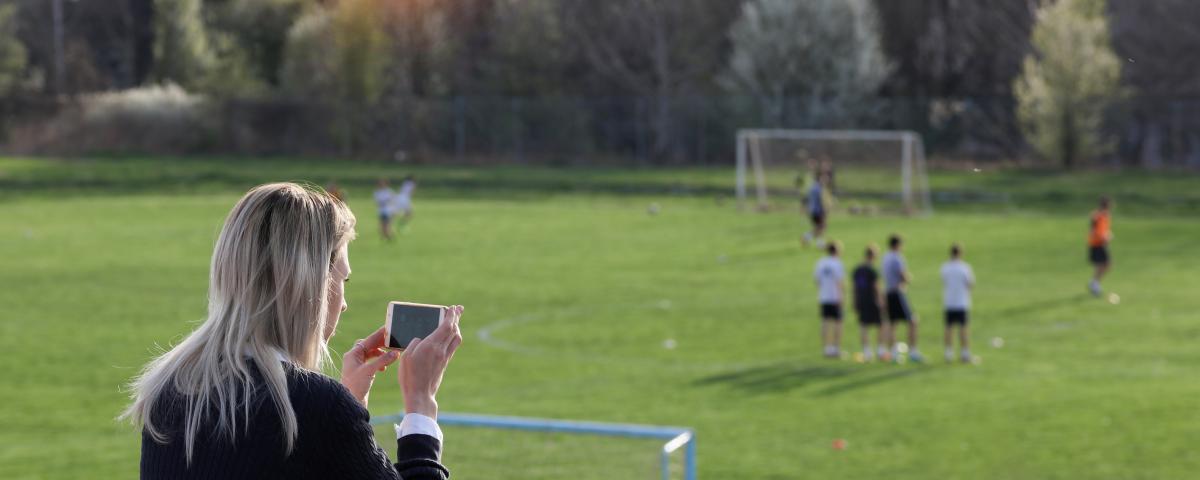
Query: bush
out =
(153, 119)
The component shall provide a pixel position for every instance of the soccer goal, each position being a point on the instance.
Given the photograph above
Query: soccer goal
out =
(875, 169)
(521, 447)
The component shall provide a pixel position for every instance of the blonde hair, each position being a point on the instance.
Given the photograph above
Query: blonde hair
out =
(268, 294)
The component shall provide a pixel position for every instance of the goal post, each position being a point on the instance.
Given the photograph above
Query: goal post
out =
(887, 167)
(670, 439)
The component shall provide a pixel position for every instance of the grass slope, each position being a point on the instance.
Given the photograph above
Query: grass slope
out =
(578, 291)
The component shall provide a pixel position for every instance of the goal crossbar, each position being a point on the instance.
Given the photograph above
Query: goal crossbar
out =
(676, 437)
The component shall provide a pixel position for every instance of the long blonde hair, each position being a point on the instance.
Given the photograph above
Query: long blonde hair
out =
(268, 294)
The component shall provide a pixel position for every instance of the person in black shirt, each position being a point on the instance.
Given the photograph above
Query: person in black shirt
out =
(243, 396)
(867, 304)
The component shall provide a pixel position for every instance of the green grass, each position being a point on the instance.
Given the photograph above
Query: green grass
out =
(579, 287)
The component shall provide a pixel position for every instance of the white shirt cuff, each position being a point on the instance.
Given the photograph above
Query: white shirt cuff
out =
(417, 424)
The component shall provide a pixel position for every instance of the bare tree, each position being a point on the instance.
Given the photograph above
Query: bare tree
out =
(1157, 43)
(656, 49)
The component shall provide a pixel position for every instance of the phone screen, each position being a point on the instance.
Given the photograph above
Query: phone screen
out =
(412, 321)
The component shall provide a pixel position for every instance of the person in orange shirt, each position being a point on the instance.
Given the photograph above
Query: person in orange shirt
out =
(1098, 238)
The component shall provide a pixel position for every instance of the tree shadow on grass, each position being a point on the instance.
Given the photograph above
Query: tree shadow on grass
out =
(1042, 305)
(832, 379)
(772, 254)
(874, 378)
(778, 377)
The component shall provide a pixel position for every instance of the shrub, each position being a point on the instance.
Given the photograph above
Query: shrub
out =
(152, 119)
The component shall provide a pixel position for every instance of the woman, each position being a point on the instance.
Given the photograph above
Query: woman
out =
(242, 396)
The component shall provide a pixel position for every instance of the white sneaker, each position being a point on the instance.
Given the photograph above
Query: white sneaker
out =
(916, 356)
(1094, 287)
(966, 358)
(949, 356)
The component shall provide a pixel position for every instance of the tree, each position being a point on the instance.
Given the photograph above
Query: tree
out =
(12, 53)
(361, 50)
(420, 48)
(533, 56)
(1159, 41)
(309, 67)
(825, 51)
(955, 48)
(1069, 82)
(182, 53)
(655, 49)
(340, 53)
(256, 31)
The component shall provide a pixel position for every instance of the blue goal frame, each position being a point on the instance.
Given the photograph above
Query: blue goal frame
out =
(676, 437)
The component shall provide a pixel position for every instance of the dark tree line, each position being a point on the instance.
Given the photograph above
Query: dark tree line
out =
(951, 64)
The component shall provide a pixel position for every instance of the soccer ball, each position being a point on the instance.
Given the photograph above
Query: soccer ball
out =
(997, 342)
(653, 209)
(669, 344)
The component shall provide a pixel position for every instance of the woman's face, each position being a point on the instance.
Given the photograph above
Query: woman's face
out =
(339, 274)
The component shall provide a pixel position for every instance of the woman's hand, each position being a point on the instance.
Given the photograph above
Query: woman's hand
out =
(362, 362)
(424, 363)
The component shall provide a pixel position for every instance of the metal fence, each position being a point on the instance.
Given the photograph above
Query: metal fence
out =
(674, 437)
(684, 130)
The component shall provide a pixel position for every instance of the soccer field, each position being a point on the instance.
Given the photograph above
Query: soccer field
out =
(572, 292)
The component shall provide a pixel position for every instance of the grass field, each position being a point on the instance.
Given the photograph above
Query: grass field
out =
(578, 288)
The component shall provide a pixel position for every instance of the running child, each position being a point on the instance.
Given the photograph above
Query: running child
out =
(830, 277)
(957, 282)
(895, 279)
(383, 199)
(1098, 237)
(402, 201)
(867, 304)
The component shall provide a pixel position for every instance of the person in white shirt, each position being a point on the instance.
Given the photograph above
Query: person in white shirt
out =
(402, 201)
(957, 282)
(384, 199)
(830, 278)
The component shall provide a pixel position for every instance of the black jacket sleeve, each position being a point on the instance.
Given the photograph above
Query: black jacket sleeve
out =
(345, 429)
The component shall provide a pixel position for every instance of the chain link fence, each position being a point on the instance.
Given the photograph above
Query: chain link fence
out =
(566, 131)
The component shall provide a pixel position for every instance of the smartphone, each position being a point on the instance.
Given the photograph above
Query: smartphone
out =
(406, 321)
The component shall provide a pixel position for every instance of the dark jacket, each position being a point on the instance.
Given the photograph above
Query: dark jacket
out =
(335, 441)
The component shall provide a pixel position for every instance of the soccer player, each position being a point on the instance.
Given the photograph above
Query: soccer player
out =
(895, 279)
(383, 198)
(815, 201)
(830, 277)
(957, 282)
(402, 201)
(1098, 238)
(867, 304)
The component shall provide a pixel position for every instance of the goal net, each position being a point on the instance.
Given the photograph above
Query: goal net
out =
(871, 170)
